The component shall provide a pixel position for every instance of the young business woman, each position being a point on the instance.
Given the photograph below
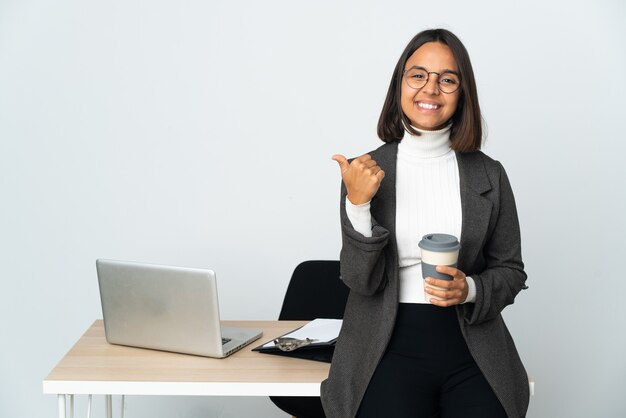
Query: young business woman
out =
(410, 349)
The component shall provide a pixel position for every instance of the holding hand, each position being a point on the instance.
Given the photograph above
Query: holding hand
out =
(362, 177)
(447, 292)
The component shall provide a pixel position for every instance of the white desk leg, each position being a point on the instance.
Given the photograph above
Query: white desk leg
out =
(61, 399)
(122, 412)
(108, 405)
(71, 406)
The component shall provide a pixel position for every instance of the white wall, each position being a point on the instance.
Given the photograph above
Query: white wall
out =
(200, 134)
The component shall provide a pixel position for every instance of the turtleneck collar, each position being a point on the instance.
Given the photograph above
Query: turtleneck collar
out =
(430, 144)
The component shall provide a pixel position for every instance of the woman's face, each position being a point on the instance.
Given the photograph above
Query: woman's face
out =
(428, 108)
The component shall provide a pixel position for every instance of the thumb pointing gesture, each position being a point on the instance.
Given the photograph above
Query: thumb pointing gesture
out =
(344, 165)
(362, 177)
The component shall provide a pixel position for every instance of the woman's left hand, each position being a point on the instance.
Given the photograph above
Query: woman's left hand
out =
(447, 292)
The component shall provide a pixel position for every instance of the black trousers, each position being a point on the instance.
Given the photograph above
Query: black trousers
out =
(428, 371)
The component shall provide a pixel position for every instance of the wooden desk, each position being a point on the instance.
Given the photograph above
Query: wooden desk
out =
(92, 366)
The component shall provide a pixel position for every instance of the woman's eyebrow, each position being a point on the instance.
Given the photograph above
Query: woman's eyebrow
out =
(444, 71)
(416, 67)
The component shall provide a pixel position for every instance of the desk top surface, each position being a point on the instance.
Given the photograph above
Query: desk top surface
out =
(94, 366)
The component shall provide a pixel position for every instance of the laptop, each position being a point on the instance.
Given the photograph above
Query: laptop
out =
(166, 308)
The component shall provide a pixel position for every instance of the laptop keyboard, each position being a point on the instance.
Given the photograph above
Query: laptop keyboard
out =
(225, 340)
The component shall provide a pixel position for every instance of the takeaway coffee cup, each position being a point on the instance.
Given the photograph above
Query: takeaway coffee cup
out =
(438, 250)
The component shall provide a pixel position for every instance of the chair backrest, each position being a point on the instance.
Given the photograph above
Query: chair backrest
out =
(315, 291)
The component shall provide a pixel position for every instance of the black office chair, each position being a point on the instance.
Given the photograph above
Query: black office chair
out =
(315, 291)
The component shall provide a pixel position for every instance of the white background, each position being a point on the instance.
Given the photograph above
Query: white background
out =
(200, 134)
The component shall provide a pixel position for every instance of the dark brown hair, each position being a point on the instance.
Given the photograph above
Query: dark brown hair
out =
(466, 131)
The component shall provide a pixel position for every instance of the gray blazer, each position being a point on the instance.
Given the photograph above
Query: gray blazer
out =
(490, 254)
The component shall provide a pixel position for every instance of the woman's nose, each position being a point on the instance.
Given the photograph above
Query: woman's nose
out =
(431, 86)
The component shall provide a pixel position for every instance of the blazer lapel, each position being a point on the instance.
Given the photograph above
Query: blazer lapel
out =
(475, 207)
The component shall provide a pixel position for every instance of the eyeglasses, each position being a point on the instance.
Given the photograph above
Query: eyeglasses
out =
(290, 344)
(417, 77)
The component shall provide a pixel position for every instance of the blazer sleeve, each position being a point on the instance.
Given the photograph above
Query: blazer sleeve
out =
(362, 259)
(504, 276)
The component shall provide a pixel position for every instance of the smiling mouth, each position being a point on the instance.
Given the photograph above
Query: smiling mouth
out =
(428, 106)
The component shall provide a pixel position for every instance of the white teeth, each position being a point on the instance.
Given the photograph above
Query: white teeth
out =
(428, 106)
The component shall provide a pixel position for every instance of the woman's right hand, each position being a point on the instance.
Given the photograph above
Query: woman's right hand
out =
(362, 177)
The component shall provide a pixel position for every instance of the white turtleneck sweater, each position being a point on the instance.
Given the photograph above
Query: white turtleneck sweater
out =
(428, 200)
